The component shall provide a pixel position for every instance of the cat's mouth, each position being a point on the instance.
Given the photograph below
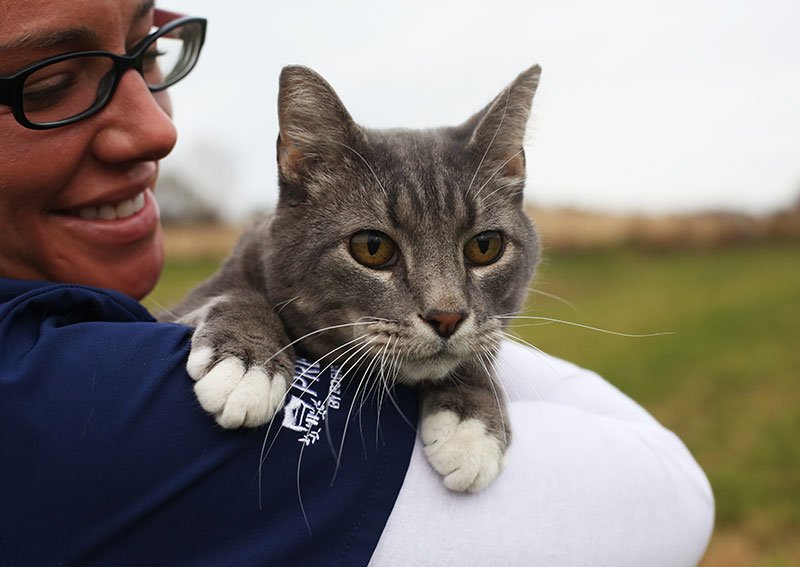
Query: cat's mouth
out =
(434, 367)
(419, 355)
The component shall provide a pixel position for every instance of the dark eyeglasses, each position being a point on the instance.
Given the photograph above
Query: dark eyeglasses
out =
(66, 88)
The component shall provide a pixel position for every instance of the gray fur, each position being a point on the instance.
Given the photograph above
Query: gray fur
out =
(430, 191)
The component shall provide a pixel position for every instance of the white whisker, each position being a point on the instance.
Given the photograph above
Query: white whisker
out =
(355, 351)
(396, 366)
(278, 307)
(331, 327)
(589, 327)
(266, 450)
(371, 384)
(496, 171)
(300, 496)
(491, 142)
(377, 319)
(381, 389)
(490, 377)
(161, 307)
(515, 182)
(385, 194)
(349, 414)
(553, 296)
(528, 383)
(544, 357)
(542, 324)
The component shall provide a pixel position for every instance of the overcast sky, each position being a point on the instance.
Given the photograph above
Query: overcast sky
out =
(642, 106)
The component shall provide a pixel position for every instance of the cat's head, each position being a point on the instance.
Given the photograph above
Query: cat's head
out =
(409, 243)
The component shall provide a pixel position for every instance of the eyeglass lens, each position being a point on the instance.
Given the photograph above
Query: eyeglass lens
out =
(67, 88)
(172, 56)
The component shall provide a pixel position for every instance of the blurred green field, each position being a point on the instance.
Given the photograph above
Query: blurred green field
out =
(727, 382)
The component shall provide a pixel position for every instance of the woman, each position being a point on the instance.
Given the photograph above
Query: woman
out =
(105, 456)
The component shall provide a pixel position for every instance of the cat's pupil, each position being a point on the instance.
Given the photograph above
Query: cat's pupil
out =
(483, 243)
(373, 244)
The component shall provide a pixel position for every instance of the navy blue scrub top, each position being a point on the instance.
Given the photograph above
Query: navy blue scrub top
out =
(106, 458)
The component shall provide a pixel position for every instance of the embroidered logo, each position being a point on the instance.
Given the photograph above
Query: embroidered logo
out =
(306, 409)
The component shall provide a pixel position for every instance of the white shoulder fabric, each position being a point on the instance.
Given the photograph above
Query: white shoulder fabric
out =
(590, 479)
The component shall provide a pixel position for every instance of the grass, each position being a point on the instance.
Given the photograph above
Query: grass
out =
(179, 276)
(726, 382)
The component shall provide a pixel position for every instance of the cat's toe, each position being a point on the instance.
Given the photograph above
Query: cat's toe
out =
(254, 400)
(215, 386)
(200, 358)
(238, 396)
(464, 452)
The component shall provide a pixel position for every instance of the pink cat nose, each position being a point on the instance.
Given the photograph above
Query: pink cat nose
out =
(444, 323)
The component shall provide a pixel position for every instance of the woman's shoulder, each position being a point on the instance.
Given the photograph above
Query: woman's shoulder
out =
(19, 298)
(105, 439)
(72, 331)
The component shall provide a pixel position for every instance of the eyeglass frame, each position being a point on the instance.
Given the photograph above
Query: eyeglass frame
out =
(11, 87)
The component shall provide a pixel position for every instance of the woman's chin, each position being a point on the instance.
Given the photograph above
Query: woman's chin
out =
(134, 270)
(140, 279)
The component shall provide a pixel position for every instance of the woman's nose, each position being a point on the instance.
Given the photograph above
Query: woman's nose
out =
(136, 124)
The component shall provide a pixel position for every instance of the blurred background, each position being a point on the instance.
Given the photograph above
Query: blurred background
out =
(663, 159)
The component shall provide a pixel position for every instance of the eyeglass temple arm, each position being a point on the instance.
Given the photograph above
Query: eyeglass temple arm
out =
(163, 17)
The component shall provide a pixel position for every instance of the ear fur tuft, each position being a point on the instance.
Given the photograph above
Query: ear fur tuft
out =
(314, 124)
(499, 129)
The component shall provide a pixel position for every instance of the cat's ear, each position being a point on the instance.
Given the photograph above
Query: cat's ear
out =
(498, 131)
(314, 124)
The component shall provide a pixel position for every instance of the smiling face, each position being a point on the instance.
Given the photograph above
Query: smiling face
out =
(76, 202)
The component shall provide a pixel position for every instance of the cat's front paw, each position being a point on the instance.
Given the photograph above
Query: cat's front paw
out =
(463, 451)
(235, 393)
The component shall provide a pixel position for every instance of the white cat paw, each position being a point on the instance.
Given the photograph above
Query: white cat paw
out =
(463, 452)
(199, 359)
(237, 396)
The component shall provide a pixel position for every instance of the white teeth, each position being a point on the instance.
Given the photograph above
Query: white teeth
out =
(89, 213)
(138, 202)
(121, 210)
(107, 212)
(125, 209)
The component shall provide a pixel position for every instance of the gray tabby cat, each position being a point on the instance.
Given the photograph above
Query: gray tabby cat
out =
(398, 242)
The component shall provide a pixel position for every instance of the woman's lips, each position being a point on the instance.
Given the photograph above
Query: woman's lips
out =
(119, 223)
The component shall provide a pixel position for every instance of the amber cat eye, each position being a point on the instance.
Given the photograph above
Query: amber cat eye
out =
(484, 248)
(373, 249)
